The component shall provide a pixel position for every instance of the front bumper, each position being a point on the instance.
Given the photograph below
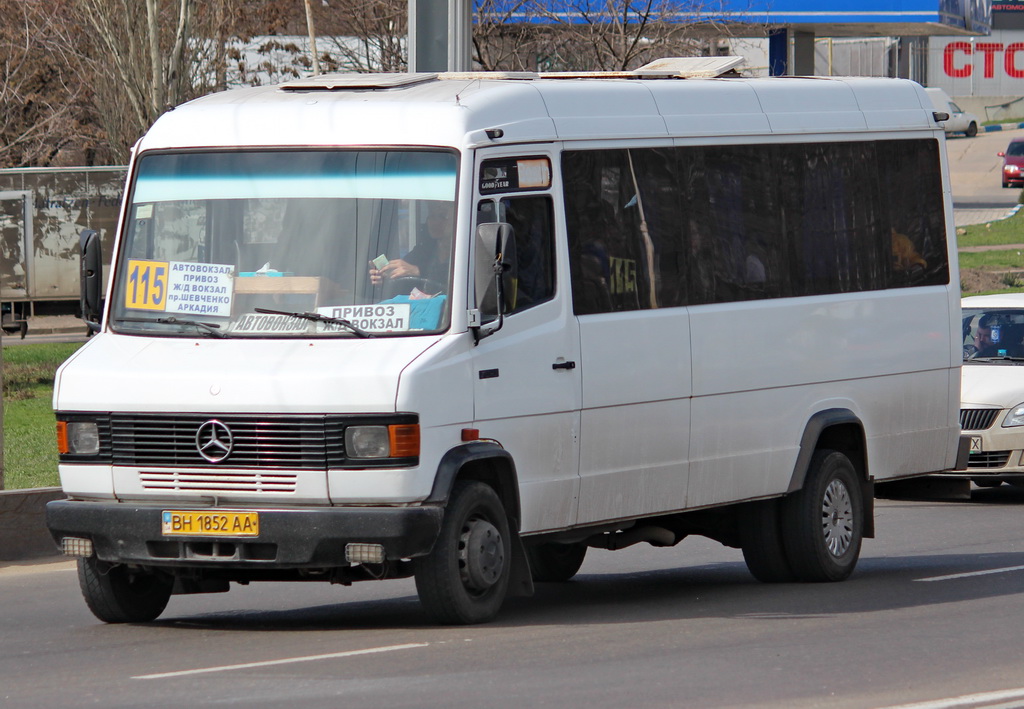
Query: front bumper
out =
(288, 538)
(995, 454)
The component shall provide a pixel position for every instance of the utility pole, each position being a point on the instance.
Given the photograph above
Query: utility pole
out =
(312, 38)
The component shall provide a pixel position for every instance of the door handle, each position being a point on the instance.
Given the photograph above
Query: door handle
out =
(564, 365)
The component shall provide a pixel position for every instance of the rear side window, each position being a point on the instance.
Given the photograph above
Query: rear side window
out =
(664, 227)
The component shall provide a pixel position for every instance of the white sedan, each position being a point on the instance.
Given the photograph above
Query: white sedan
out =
(992, 391)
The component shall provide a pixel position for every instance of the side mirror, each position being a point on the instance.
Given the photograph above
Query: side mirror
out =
(495, 275)
(1001, 154)
(91, 278)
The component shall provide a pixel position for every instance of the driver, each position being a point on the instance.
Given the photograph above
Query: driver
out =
(984, 345)
(429, 259)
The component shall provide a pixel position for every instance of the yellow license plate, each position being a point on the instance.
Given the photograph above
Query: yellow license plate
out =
(195, 523)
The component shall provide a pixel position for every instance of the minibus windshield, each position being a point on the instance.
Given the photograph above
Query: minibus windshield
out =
(314, 243)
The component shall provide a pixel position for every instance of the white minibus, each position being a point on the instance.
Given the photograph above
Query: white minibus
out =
(463, 327)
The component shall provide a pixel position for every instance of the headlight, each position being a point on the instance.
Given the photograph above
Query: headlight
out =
(78, 438)
(394, 441)
(1012, 168)
(1015, 417)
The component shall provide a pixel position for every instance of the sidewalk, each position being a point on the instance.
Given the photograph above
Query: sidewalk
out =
(982, 215)
(56, 325)
(1002, 126)
(50, 325)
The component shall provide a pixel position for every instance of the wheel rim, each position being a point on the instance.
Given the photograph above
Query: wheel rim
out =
(837, 518)
(481, 555)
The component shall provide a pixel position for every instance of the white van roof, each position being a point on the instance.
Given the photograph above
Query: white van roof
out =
(458, 110)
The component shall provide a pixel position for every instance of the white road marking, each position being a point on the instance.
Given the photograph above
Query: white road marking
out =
(986, 572)
(286, 661)
(967, 700)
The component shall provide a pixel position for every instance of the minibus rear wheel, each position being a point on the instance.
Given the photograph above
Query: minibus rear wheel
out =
(823, 522)
(465, 577)
(117, 594)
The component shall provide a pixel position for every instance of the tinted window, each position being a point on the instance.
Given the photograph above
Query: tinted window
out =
(661, 227)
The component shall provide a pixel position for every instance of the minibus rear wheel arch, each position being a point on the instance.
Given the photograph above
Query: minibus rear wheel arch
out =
(840, 430)
(836, 429)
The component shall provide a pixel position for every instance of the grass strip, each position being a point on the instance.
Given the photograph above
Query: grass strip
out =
(30, 446)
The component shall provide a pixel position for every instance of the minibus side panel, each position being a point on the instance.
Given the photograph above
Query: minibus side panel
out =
(636, 413)
(800, 357)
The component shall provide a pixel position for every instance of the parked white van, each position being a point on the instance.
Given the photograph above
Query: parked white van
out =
(462, 327)
(959, 121)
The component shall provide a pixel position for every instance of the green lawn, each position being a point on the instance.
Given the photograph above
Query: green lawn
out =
(1005, 231)
(30, 445)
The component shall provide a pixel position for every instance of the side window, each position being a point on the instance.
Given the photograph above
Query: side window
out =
(664, 227)
(908, 175)
(732, 223)
(531, 220)
(609, 256)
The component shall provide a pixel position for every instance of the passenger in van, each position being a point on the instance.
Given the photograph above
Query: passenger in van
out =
(430, 258)
(905, 256)
(590, 291)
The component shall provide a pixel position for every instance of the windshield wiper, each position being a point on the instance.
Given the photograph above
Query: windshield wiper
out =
(210, 328)
(316, 317)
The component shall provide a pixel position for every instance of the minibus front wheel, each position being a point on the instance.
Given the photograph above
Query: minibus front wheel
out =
(823, 522)
(118, 594)
(465, 577)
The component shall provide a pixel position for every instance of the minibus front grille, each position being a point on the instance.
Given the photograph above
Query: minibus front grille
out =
(977, 419)
(218, 482)
(253, 442)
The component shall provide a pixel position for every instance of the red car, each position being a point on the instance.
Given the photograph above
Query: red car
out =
(1013, 163)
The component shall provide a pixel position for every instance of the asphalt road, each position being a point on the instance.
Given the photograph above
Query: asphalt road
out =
(933, 612)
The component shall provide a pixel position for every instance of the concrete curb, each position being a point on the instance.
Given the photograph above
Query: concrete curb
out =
(1002, 126)
(23, 533)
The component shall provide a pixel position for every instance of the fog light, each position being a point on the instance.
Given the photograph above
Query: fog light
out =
(76, 546)
(364, 553)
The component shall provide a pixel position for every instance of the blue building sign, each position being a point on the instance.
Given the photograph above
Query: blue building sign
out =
(835, 18)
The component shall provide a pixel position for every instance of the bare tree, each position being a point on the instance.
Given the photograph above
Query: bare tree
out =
(43, 100)
(370, 35)
(137, 62)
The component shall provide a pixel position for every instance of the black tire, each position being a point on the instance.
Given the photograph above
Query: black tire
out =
(761, 542)
(972, 130)
(465, 577)
(555, 563)
(115, 594)
(823, 523)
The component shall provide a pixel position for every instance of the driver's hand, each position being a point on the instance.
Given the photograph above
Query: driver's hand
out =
(396, 269)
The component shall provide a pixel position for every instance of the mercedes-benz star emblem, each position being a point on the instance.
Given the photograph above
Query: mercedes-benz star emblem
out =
(214, 441)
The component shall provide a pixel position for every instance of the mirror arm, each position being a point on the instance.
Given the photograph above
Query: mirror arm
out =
(482, 331)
